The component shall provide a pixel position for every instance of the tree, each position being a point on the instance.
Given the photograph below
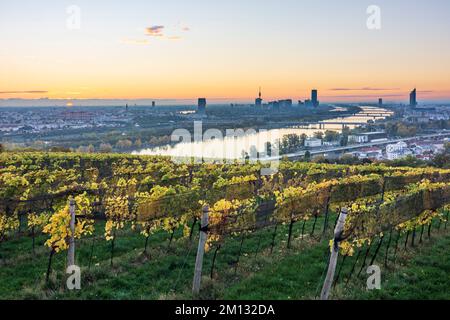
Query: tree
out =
(307, 156)
(344, 138)
(331, 136)
(391, 129)
(406, 131)
(442, 160)
(320, 159)
(153, 141)
(447, 148)
(59, 149)
(2, 148)
(138, 143)
(124, 144)
(105, 148)
(268, 149)
(409, 161)
(318, 135)
(303, 138)
(349, 159)
(292, 142)
(81, 149)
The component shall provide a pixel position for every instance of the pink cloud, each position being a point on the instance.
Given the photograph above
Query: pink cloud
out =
(154, 31)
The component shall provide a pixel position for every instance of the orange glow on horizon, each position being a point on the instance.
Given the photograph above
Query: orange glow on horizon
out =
(238, 94)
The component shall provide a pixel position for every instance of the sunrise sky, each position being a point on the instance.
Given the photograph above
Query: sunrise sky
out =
(184, 49)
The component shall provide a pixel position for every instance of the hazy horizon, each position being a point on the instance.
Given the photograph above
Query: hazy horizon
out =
(44, 102)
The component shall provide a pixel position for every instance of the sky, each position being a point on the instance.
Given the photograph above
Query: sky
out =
(224, 50)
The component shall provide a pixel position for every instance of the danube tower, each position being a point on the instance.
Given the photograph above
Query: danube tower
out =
(258, 101)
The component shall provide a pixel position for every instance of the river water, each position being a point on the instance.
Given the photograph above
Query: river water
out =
(235, 146)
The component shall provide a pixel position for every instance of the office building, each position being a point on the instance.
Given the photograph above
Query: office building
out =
(314, 100)
(201, 106)
(313, 143)
(280, 104)
(274, 105)
(285, 104)
(413, 98)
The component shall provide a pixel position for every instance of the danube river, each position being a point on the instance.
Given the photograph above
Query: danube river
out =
(236, 146)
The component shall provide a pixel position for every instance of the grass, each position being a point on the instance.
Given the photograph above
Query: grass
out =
(420, 273)
(166, 273)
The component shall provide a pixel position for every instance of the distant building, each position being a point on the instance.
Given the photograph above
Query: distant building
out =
(280, 104)
(336, 143)
(427, 147)
(370, 153)
(426, 114)
(201, 106)
(397, 151)
(76, 116)
(313, 143)
(153, 104)
(274, 105)
(314, 98)
(413, 98)
(380, 102)
(287, 103)
(418, 119)
(366, 137)
(358, 138)
(259, 100)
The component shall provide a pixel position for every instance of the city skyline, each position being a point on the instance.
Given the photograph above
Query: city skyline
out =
(175, 51)
(311, 101)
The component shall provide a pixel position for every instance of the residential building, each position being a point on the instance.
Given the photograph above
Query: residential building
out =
(397, 151)
(371, 153)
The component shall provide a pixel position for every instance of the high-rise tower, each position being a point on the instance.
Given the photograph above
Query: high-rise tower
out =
(413, 98)
(314, 100)
(201, 106)
(258, 101)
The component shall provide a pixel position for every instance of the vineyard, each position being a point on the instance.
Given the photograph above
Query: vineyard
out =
(149, 227)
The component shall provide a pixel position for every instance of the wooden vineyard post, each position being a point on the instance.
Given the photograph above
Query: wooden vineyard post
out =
(200, 252)
(334, 255)
(71, 251)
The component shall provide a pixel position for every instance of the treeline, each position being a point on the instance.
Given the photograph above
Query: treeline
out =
(291, 143)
